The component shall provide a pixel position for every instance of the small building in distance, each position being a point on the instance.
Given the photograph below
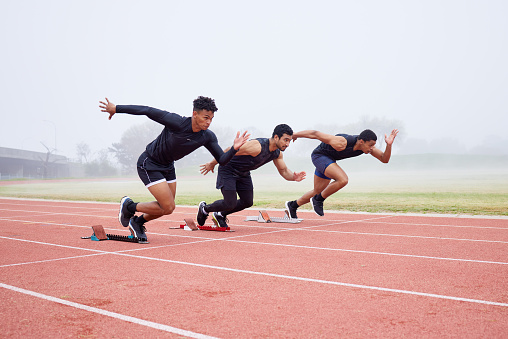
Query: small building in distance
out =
(16, 163)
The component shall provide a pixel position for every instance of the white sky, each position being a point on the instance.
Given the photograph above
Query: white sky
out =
(438, 66)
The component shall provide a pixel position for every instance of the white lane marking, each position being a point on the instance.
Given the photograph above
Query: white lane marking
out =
(431, 295)
(320, 281)
(309, 228)
(115, 315)
(232, 238)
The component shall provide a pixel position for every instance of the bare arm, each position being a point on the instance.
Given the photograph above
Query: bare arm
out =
(384, 157)
(337, 142)
(223, 157)
(251, 147)
(285, 172)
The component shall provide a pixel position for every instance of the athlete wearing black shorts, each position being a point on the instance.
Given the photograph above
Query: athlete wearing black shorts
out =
(234, 177)
(329, 177)
(180, 136)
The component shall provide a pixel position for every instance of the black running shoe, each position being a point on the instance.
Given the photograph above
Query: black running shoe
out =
(137, 230)
(202, 214)
(124, 215)
(317, 206)
(291, 210)
(220, 220)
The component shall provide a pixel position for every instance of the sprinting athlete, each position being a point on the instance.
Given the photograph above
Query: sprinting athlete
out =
(234, 177)
(180, 136)
(329, 177)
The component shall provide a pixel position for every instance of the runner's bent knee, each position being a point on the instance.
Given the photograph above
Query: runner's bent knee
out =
(168, 208)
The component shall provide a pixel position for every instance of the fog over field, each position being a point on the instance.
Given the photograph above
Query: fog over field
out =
(436, 70)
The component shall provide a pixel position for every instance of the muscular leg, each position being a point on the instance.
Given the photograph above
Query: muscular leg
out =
(164, 194)
(326, 186)
(339, 177)
(319, 185)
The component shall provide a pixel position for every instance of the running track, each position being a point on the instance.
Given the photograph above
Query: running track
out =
(342, 275)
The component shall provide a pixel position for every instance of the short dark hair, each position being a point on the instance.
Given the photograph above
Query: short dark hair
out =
(205, 103)
(282, 129)
(367, 135)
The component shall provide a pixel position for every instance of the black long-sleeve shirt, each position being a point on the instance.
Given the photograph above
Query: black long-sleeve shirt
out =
(177, 138)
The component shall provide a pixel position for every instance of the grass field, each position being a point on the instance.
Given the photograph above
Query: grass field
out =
(457, 191)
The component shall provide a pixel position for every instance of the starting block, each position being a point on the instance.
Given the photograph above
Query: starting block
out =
(99, 234)
(264, 217)
(190, 225)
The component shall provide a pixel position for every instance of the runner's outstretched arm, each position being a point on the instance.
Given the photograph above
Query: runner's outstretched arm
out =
(162, 117)
(223, 157)
(384, 157)
(285, 172)
(251, 147)
(337, 142)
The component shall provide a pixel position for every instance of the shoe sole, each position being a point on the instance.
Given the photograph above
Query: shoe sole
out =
(133, 233)
(289, 211)
(124, 199)
(217, 221)
(199, 210)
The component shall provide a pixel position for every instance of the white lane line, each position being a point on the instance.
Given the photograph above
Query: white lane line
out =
(431, 295)
(56, 245)
(232, 239)
(438, 225)
(410, 236)
(370, 252)
(320, 281)
(51, 260)
(115, 315)
(382, 215)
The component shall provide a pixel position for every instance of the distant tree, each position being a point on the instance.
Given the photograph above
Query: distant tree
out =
(101, 166)
(46, 161)
(83, 151)
(133, 142)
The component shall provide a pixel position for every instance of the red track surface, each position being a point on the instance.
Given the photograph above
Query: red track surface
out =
(342, 275)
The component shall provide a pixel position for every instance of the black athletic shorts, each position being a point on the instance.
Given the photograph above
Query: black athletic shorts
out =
(152, 173)
(230, 181)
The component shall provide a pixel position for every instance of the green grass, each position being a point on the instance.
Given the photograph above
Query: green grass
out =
(482, 192)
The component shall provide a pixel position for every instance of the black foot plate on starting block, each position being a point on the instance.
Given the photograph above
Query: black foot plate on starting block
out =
(99, 234)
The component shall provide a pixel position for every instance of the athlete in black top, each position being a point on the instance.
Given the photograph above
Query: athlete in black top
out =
(324, 157)
(234, 177)
(180, 136)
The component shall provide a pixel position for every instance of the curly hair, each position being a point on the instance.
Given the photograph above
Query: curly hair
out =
(367, 135)
(204, 103)
(282, 129)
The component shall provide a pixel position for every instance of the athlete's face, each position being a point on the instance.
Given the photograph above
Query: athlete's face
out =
(283, 142)
(202, 119)
(367, 146)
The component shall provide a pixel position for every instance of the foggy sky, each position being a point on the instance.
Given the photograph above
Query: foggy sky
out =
(439, 67)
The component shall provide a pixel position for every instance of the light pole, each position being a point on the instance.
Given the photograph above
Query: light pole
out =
(51, 122)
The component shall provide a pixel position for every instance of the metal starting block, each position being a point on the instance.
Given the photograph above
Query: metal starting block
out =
(99, 234)
(264, 217)
(190, 225)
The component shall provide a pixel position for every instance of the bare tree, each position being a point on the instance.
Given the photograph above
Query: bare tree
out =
(46, 162)
(83, 151)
